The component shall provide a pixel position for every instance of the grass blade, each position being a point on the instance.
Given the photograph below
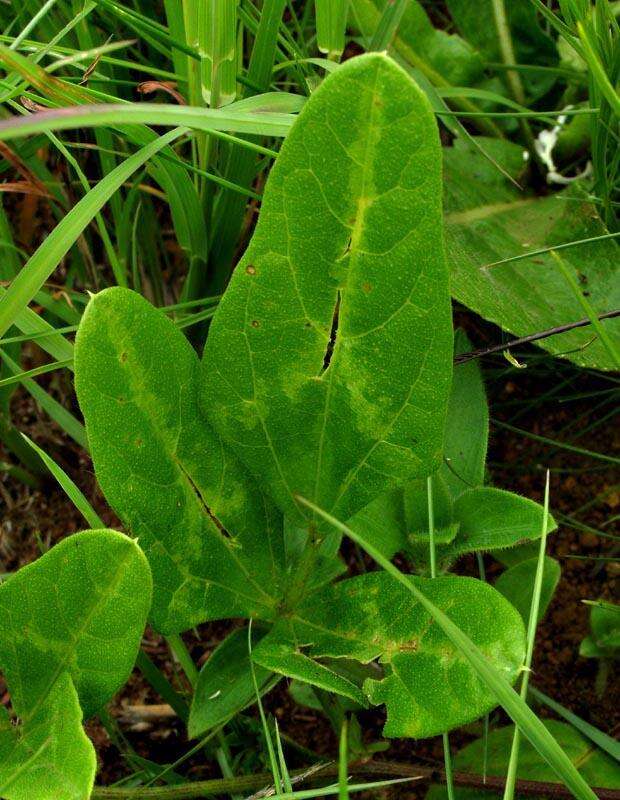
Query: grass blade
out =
(511, 777)
(600, 739)
(68, 486)
(45, 260)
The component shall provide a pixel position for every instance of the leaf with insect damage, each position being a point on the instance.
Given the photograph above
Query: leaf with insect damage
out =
(214, 542)
(327, 366)
(428, 686)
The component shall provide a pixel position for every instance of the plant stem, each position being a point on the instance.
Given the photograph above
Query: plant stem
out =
(514, 79)
(533, 337)
(181, 653)
(248, 783)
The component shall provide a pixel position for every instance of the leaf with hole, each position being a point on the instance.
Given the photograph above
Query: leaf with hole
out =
(213, 540)
(427, 686)
(327, 367)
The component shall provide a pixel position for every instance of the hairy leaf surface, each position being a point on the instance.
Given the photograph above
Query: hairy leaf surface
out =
(428, 686)
(327, 366)
(597, 768)
(212, 539)
(489, 219)
(48, 756)
(493, 518)
(81, 608)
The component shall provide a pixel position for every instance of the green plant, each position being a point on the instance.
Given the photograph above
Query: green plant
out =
(208, 463)
(304, 325)
(322, 395)
(596, 767)
(468, 516)
(72, 624)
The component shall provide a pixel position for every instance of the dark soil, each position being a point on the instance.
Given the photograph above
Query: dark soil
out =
(580, 486)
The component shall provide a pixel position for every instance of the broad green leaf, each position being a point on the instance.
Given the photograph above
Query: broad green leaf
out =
(428, 686)
(489, 675)
(491, 518)
(604, 639)
(475, 22)
(597, 768)
(48, 756)
(415, 496)
(517, 585)
(225, 685)
(488, 219)
(467, 426)
(327, 365)
(212, 540)
(382, 523)
(81, 608)
(441, 56)
(386, 522)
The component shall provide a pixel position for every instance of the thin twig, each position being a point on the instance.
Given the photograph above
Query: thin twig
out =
(384, 769)
(532, 337)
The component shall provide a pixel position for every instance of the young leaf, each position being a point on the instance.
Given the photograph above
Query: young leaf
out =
(467, 426)
(212, 540)
(488, 220)
(225, 684)
(327, 363)
(81, 608)
(597, 768)
(493, 518)
(517, 585)
(428, 685)
(48, 756)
